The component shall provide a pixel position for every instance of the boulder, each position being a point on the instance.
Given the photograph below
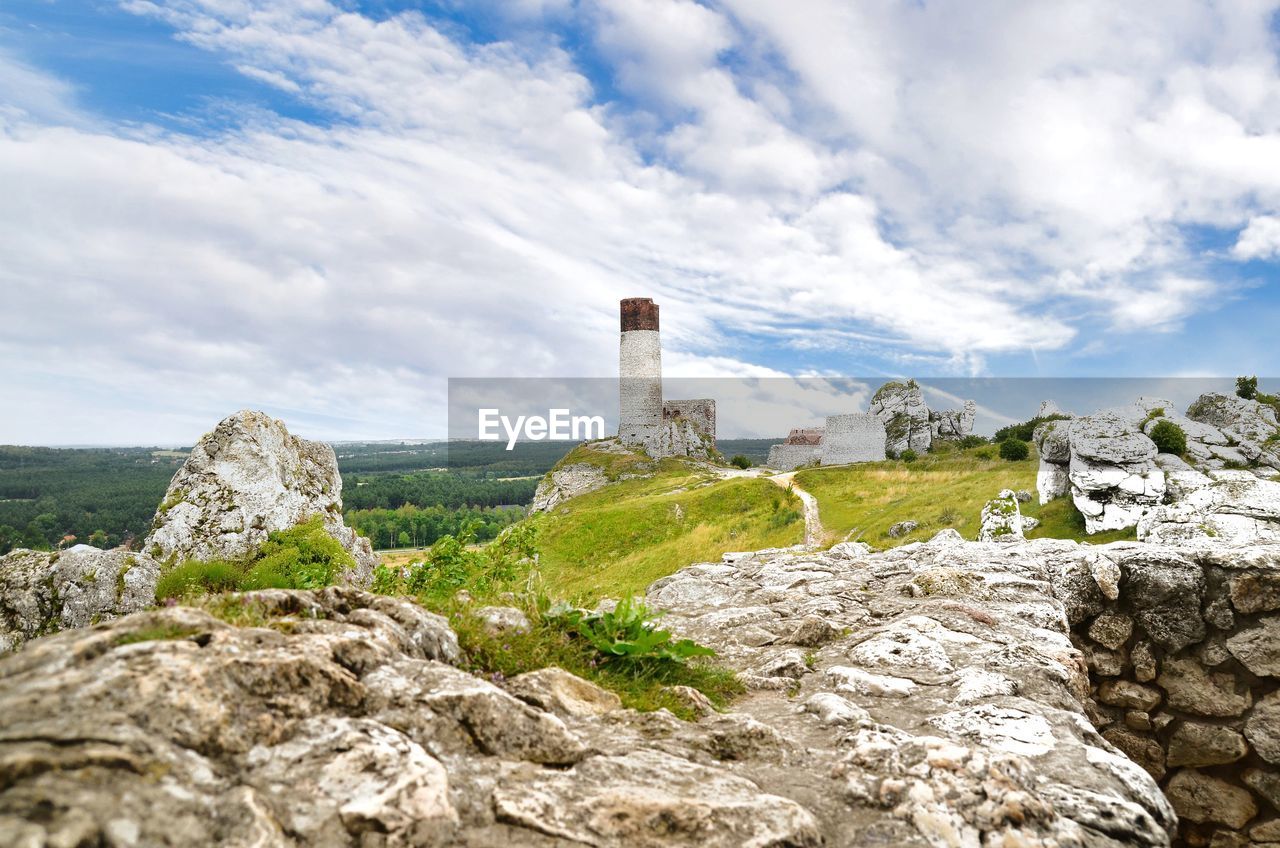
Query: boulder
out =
(1196, 744)
(901, 408)
(1250, 428)
(42, 591)
(244, 480)
(1258, 648)
(561, 484)
(1001, 519)
(902, 528)
(1114, 479)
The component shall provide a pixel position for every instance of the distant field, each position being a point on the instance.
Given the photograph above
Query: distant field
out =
(938, 490)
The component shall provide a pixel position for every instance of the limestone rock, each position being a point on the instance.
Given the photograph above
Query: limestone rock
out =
(1143, 750)
(1165, 591)
(1233, 508)
(1252, 593)
(1111, 629)
(901, 407)
(1050, 407)
(561, 484)
(245, 479)
(1134, 696)
(501, 619)
(1258, 648)
(1001, 519)
(953, 424)
(1193, 689)
(650, 799)
(41, 592)
(1200, 798)
(1263, 728)
(562, 693)
(1114, 479)
(1250, 425)
(902, 528)
(1265, 783)
(1196, 744)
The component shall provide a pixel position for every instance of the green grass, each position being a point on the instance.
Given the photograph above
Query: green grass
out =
(939, 490)
(617, 540)
(642, 684)
(1059, 519)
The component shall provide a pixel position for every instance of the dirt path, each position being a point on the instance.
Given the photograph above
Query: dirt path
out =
(814, 534)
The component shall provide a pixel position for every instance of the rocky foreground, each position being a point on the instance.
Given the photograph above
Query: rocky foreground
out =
(930, 695)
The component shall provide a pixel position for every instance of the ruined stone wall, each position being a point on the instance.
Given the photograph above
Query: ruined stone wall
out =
(790, 457)
(699, 412)
(853, 438)
(1184, 658)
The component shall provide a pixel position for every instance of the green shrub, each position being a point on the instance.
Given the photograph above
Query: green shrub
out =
(1247, 387)
(1169, 437)
(972, 442)
(985, 453)
(302, 557)
(628, 631)
(908, 455)
(1014, 450)
(740, 461)
(193, 578)
(1026, 430)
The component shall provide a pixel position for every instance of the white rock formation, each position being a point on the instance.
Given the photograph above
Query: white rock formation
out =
(902, 408)
(1222, 507)
(247, 478)
(1109, 466)
(1238, 431)
(953, 423)
(561, 484)
(939, 702)
(1002, 519)
(43, 591)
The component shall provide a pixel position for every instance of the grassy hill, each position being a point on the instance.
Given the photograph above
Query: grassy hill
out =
(619, 539)
(939, 490)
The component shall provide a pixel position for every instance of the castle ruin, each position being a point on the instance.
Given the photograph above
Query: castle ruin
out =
(662, 428)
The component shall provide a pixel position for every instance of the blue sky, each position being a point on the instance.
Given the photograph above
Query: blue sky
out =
(326, 209)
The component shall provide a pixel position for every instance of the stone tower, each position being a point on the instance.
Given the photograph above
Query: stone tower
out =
(640, 374)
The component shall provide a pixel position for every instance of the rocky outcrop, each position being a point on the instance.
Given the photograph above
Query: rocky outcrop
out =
(1220, 507)
(42, 592)
(953, 423)
(561, 484)
(343, 721)
(1105, 462)
(1232, 432)
(940, 692)
(245, 479)
(929, 695)
(902, 410)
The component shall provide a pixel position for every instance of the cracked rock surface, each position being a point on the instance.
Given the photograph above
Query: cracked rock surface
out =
(930, 695)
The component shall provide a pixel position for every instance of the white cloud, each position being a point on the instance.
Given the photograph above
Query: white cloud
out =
(1259, 240)
(925, 187)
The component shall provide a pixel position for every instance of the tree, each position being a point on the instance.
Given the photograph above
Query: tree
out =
(98, 538)
(1014, 450)
(740, 461)
(1247, 387)
(403, 539)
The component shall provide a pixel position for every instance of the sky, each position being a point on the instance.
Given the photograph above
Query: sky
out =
(327, 208)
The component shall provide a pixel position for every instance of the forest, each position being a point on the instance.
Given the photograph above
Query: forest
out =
(392, 491)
